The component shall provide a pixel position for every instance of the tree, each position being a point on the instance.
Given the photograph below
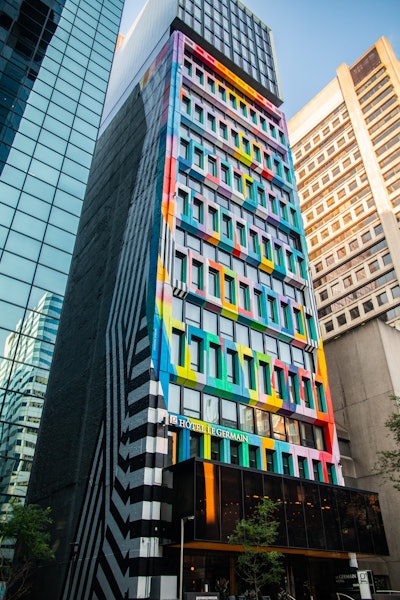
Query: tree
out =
(389, 460)
(257, 565)
(26, 528)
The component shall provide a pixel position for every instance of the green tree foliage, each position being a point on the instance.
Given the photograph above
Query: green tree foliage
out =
(258, 565)
(27, 527)
(388, 463)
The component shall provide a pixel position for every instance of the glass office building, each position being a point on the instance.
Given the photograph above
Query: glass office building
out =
(188, 353)
(55, 59)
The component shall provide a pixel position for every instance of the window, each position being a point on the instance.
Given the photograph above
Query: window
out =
(186, 105)
(229, 289)
(183, 202)
(272, 312)
(198, 211)
(198, 158)
(234, 453)
(317, 470)
(210, 408)
(198, 114)
(278, 255)
(178, 349)
(223, 130)
(320, 396)
(180, 266)
(258, 304)
(294, 388)
(195, 444)
(271, 460)
(197, 274)
(215, 449)
(196, 354)
(212, 166)
(307, 391)
(253, 241)
(246, 418)
(191, 403)
(280, 382)
(293, 431)
(246, 145)
(241, 234)
(331, 473)
(302, 463)
(253, 453)
(228, 413)
(225, 174)
(278, 427)
(235, 138)
(227, 226)
(184, 149)
(248, 368)
(298, 321)
(215, 361)
(262, 423)
(287, 463)
(237, 182)
(285, 315)
(212, 218)
(244, 296)
(232, 366)
(213, 283)
(319, 438)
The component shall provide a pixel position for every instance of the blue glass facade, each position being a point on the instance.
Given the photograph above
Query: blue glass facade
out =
(55, 63)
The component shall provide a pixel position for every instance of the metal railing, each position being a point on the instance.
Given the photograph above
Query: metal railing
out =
(342, 595)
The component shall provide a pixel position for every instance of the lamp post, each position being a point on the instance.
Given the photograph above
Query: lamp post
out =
(184, 520)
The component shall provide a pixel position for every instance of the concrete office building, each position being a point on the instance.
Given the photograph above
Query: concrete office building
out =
(188, 354)
(362, 404)
(55, 59)
(346, 146)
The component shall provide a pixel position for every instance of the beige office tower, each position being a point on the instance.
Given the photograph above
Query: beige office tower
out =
(346, 152)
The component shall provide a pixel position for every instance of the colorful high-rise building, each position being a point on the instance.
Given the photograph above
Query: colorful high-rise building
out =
(189, 378)
(346, 145)
(55, 60)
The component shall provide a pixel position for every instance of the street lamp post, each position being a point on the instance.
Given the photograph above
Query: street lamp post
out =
(184, 520)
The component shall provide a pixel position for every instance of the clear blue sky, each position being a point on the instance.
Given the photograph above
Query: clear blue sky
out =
(313, 37)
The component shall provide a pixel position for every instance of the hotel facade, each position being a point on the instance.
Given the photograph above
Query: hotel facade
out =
(189, 354)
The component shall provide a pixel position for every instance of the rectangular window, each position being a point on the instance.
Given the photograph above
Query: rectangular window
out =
(287, 464)
(331, 473)
(278, 255)
(215, 361)
(317, 470)
(246, 145)
(290, 262)
(198, 211)
(244, 296)
(278, 427)
(253, 241)
(211, 121)
(280, 382)
(228, 413)
(223, 130)
(184, 149)
(266, 248)
(302, 463)
(241, 234)
(178, 348)
(191, 403)
(229, 290)
(212, 166)
(226, 226)
(213, 283)
(261, 197)
(235, 138)
(292, 431)
(234, 453)
(186, 105)
(232, 366)
(198, 158)
(198, 114)
(265, 378)
(298, 321)
(225, 174)
(262, 423)
(248, 368)
(319, 438)
(294, 388)
(246, 418)
(195, 445)
(183, 202)
(253, 453)
(212, 218)
(210, 408)
(249, 190)
(197, 274)
(285, 315)
(196, 354)
(180, 266)
(320, 396)
(215, 449)
(237, 182)
(271, 461)
(272, 316)
(258, 304)
(307, 391)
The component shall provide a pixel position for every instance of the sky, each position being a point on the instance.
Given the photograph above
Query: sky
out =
(314, 37)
